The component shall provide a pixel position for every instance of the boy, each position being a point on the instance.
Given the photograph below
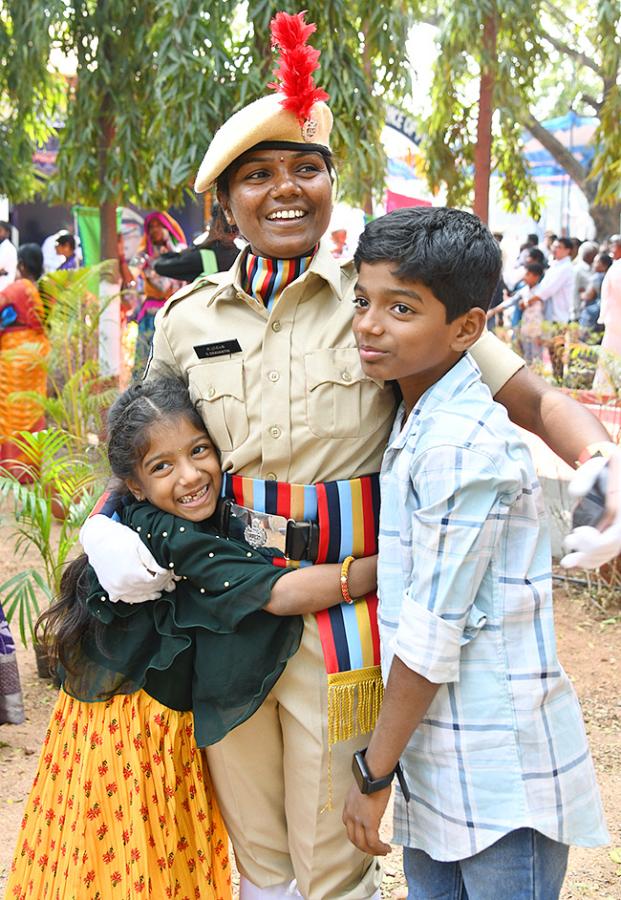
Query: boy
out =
(477, 706)
(531, 326)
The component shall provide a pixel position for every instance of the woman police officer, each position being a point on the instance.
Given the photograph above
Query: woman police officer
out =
(268, 354)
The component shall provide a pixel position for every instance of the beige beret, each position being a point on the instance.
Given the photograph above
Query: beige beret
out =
(263, 120)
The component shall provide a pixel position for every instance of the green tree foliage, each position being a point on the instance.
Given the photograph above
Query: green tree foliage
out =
(569, 53)
(451, 130)
(155, 78)
(29, 93)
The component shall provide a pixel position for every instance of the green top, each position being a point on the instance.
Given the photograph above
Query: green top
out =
(207, 646)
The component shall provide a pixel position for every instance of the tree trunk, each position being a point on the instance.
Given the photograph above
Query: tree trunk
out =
(607, 219)
(108, 231)
(110, 284)
(483, 148)
(367, 203)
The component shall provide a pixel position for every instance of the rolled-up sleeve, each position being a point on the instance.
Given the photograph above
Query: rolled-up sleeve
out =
(461, 495)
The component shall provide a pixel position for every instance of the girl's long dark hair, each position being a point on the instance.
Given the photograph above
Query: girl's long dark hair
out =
(64, 626)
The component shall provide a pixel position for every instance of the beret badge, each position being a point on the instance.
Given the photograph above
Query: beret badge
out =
(309, 129)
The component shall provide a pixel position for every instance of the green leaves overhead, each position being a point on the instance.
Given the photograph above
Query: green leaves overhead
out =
(451, 131)
(30, 94)
(606, 36)
(545, 49)
(155, 78)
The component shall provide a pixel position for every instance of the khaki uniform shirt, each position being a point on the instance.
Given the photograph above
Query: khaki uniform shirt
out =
(293, 404)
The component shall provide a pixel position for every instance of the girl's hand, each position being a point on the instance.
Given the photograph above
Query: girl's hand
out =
(314, 588)
(362, 576)
(124, 565)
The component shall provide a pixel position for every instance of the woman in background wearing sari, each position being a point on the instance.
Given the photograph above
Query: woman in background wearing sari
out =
(23, 349)
(162, 234)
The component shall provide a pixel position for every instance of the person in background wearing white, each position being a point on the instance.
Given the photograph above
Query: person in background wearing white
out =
(557, 291)
(557, 286)
(8, 256)
(583, 269)
(610, 318)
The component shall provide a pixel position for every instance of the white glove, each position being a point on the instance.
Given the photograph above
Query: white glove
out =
(588, 547)
(124, 565)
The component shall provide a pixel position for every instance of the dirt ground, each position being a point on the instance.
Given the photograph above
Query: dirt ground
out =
(589, 647)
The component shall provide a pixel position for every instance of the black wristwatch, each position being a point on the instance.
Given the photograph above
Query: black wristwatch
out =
(369, 785)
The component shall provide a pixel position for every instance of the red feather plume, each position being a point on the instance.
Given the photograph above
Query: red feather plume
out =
(296, 63)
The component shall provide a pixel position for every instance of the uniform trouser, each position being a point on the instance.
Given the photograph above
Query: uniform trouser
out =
(272, 776)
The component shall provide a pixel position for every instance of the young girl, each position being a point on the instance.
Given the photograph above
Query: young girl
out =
(532, 319)
(122, 801)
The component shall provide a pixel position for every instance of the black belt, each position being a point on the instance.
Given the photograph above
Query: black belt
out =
(295, 540)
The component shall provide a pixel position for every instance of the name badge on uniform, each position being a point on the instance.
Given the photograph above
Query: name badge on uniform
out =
(220, 348)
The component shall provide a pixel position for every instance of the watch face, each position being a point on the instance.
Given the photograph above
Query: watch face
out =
(364, 780)
(361, 773)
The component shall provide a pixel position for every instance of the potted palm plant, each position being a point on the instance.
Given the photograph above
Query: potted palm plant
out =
(78, 394)
(55, 475)
(63, 465)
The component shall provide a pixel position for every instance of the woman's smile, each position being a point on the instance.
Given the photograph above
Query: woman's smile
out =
(281, 200)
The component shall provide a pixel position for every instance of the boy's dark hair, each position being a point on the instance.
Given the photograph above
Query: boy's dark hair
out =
(449, 251)
(566, 242)
(537, 255)
(68, 624)
(605, 259)
(532, 240)
(536, 269)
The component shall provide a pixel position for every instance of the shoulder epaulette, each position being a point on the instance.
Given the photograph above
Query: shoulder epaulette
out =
(189, 289)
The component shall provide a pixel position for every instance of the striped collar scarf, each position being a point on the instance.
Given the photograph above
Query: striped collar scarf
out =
(265, 278)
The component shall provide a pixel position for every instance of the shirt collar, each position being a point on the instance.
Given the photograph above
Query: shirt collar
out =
(453, 383)
(265, 278)
(336, 273)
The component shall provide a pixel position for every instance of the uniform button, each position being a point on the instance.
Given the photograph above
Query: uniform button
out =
(273, 375)
(346, 376)
(270, 476)
(275, 431)
(211, 391)
(276, 326)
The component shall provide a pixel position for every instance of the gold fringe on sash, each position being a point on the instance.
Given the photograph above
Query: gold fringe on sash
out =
(354, 701)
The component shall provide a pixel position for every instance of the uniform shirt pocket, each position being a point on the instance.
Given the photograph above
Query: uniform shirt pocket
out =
(217, 390)
(341, 401)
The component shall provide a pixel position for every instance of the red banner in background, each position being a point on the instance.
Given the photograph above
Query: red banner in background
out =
(400, 201)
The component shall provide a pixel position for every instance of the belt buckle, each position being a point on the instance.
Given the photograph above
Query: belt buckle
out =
(262, 529)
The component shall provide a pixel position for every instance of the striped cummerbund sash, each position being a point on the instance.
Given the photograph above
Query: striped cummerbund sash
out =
(347, 513)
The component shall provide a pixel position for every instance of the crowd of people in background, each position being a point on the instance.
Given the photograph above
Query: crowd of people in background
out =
(548, 287)
(161, 264)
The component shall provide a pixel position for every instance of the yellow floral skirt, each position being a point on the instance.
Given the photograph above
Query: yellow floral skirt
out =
(122, 807)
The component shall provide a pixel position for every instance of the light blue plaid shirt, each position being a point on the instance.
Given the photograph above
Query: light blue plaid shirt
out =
(466, 601)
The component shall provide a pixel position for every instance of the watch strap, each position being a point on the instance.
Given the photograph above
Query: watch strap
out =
(365, 781)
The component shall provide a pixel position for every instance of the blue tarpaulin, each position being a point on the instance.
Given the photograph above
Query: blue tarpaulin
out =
(574, 132)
